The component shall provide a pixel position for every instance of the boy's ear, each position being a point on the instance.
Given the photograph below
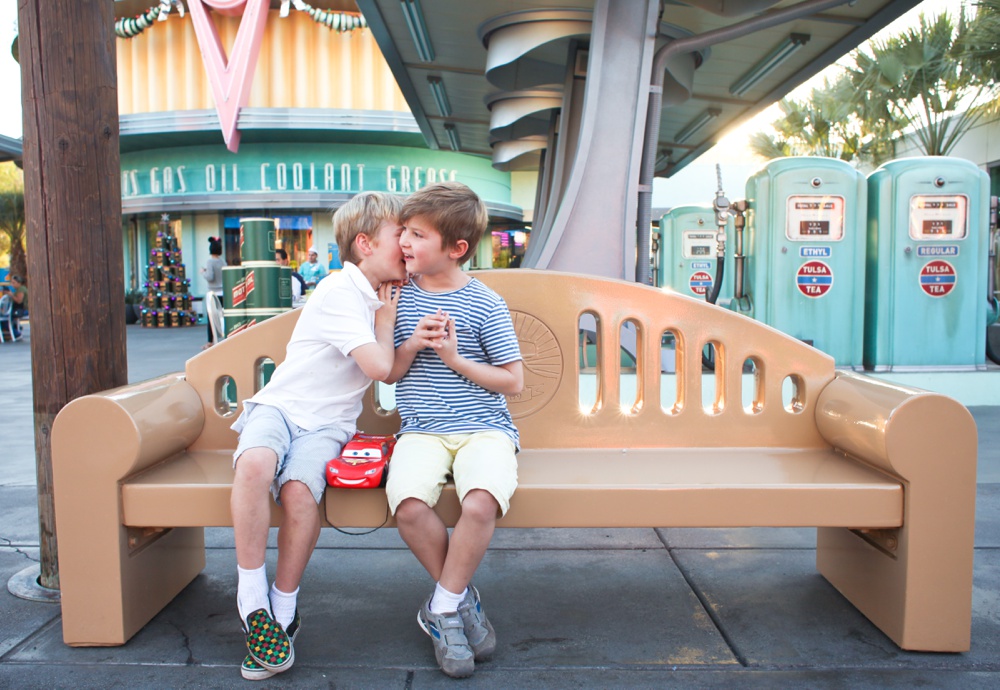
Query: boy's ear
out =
(458, 249)
(363, 244)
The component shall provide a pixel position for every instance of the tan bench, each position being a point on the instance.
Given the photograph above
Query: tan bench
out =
(887, 474)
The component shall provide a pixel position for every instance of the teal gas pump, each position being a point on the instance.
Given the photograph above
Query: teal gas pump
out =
(928, 302)
(688, 251)
(804, 270)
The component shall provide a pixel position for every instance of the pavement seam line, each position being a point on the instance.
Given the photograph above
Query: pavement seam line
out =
(42, 630)
(716, 621)
(16, 549)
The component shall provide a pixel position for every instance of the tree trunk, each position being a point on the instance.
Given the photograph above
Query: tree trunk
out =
(18, 259)
(73, 216)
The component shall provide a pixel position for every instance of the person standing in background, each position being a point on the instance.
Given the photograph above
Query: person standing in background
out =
(313, 271)
(213, 276)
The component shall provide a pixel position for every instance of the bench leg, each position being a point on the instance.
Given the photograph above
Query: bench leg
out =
(916, 588)
(112, 587)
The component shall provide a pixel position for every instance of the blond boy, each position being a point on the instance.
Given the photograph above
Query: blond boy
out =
(303, 416)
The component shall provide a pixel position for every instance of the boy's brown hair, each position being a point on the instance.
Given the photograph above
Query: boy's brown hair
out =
(453, 210)
(362, 215)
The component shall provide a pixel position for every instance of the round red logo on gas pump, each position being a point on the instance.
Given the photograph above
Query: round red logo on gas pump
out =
(700, 282)
(814, 278)
(938, 278)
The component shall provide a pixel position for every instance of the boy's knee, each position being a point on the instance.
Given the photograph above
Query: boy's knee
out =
(296, 495)
(257, 465)
(410, 510)
(480, 505)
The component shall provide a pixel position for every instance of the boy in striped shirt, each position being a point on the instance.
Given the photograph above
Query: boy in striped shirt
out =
(457, 356)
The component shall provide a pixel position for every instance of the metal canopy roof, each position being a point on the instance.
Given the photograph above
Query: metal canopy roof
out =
(10, 149)
(454, 57)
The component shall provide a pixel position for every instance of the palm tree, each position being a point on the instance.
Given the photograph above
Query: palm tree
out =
(935, 80)
(12, 215)
(981, 45)
(831, 123)
(925, 79)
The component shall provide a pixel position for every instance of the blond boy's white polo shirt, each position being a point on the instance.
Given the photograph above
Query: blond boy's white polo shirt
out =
(319, 383)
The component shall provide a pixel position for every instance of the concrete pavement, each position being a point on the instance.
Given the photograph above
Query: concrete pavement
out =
(572, 608)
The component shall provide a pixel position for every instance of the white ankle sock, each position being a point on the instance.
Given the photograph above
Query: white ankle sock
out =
(251, 591)
(283, 605)
(444, 601)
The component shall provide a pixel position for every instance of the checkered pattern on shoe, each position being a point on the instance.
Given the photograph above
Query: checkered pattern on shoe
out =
(251, 670)
(267, 642)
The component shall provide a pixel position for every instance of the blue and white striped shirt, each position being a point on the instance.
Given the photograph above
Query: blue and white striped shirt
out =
(431, 397)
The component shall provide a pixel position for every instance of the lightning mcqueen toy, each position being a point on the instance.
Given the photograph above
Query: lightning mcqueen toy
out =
(363, 463)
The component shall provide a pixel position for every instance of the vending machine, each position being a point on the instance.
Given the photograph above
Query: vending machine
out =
(688, 255)
(928, 302)
(805, 253)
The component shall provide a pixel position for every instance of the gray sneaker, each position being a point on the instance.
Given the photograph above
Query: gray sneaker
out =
(451, 648)
(478, 630)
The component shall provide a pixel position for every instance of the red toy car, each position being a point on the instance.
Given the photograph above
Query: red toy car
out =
(363, 463)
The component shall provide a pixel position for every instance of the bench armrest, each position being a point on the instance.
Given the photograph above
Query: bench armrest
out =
(914, 582)
(116, 433)
(114, 579)
(904, 431)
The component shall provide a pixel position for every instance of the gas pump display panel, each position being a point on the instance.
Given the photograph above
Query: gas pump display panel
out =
(697, 244)
(815, 218)
(936, 217)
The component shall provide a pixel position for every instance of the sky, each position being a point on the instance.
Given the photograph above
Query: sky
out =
(10, 75)
(10, 71)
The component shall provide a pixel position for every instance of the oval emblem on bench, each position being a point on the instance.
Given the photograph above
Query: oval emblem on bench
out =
(543, 363)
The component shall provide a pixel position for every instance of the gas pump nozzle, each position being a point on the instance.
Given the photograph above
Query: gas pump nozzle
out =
(739, 210)
(721, 208)
(992, 295)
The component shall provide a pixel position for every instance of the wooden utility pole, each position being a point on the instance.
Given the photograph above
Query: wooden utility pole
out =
(72, 189)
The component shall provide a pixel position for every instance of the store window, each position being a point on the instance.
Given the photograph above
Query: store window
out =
(295, 236)
(231, 240)
(508, 246)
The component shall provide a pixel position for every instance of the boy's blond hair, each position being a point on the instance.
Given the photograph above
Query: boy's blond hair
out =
(363, 215)
(453, 210)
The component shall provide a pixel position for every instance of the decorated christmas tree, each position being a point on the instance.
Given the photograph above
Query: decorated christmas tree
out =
(168, 301)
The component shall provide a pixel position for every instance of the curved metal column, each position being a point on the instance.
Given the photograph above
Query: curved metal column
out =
(593, 229)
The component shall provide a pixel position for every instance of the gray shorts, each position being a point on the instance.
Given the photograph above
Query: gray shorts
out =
(302, 453)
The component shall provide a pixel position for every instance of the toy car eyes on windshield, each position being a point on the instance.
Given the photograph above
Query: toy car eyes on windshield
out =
(355, 455)
(363, 463)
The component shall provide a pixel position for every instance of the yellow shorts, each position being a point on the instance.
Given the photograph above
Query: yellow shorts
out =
(421, 464)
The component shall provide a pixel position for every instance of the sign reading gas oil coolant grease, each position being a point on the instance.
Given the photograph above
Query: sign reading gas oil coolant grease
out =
(814, 278)
(937, 278)
(700, 282)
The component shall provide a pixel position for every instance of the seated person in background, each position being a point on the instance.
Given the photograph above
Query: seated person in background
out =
(20, 297)
(312, 270)
(5, 294)
(298, 283)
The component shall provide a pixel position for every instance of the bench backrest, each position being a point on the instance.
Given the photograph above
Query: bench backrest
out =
(549, 310)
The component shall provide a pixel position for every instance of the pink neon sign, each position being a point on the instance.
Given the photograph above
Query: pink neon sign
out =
(230, 77)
